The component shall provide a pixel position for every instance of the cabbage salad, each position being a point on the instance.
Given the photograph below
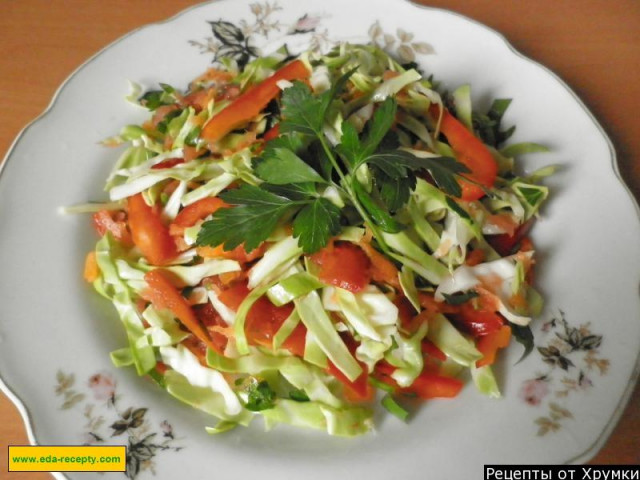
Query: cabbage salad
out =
(309, 238)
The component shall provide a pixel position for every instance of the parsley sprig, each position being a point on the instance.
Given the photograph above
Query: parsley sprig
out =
(372, 176)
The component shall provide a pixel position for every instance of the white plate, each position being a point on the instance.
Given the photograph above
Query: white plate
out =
(559, 404)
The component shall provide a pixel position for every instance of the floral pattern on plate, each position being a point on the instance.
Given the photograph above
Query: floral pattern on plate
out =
(107, 422)
(239, 41)
(573, 357)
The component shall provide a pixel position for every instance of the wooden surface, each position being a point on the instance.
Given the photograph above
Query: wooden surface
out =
(593, 45)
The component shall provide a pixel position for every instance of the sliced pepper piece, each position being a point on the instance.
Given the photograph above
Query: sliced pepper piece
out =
(191, 214)
(427, 385)
(264, 319)
(252, 102)
(107, 221)
(469, 151)
(149, 233)
(344, 265)
(358, 390)
(164, 295)
(489, 345)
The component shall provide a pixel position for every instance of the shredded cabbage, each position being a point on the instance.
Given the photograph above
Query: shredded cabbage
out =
(279, 331)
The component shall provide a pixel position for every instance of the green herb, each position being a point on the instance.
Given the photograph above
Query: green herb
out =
(356, 150)
(283, 167)
(255, 216)
(301, 162)
(293, 191)
(261, 397)
(156, 98)
(304, 112)
(315, 224)
(298, 395)
(453, 205)
(192, 138)
(378, 213)
(394, 408)
(395, 192)
(460, 298)
(381, 385)
(488, 126)
(163, 125)
(524, 336)
(533, 196)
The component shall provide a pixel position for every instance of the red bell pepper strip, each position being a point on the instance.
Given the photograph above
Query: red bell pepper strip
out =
(382, 269)
(104, 221)
(273, 132)
(489, 345)
(431, 385)
(426, 386)
(477, 322)
(506, 244)
(91, 269)
(163, 294)
(199, 210)
(238, 254)
(168, 163)
(344, 265)
(149, 234)
(358, 390)
(252, 102)
(264, 319)
(431, 350)
(469, 151)
(208, 317)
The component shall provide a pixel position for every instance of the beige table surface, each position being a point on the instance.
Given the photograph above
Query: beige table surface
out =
(593, 45)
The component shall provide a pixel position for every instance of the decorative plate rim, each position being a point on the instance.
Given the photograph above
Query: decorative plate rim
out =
(613, 420)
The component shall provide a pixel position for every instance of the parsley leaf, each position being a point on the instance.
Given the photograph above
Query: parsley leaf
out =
(457, 208)
(380, 216)
(304, 112)
(352, 149)
(383, 119)
(256, 215)
(460, 298)
(301, 161)
(395, 192)
(315, 224)
(443, 169)
(156, 98)
(532, 195)
(395, 164)
(293, 191)
(261, 397)
(298, 395)
(291, 141)
(349, 147)
(489, 126)
(282, 166)
(524, 336)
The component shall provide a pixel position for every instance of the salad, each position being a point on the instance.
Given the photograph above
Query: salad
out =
(307, 238)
